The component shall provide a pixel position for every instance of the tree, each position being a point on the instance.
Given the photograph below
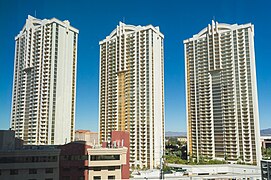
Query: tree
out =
(266, 152)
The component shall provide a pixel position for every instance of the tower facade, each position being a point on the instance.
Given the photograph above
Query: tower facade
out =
(221, 94)
(44, 84)
(132, 90)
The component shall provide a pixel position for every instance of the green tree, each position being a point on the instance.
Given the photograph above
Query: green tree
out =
(266, 152)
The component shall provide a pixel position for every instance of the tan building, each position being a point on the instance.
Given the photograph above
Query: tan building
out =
(221, 94)
(91, 138)
(131, 96)
(107, 163)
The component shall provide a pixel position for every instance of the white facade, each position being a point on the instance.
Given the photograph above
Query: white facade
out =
(44, 85)
(221, 94)
(132, 90)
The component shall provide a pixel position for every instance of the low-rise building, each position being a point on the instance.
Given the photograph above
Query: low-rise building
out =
(26, 162)
(91, 138)
(38, 163)
(79, 160)
(74, 161)
(123, 138)
(204, 172)
(107, 163)
(8, 141)
(266, 141)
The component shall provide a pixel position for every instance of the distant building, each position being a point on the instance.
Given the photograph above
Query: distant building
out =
(131, 95)
(73, 163)
(27, 162)
(182, 139)
(266, 169)
(91, 138)
(266, 141)
(221, 94)
(44, 82)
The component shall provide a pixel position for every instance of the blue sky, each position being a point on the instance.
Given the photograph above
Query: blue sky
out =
(178, 20)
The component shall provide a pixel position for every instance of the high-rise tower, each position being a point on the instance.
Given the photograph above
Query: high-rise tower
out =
(221, 94)
(44, 85)
(132, 90)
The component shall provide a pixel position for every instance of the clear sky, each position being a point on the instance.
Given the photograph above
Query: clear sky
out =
(95, 19)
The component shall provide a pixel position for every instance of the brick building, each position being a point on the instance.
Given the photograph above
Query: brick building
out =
(74, 161)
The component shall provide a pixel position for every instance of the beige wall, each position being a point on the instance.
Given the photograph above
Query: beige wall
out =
(104, 172)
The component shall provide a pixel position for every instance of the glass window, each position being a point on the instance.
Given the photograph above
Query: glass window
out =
(66, 169)
(97, 168)
(97, 177)
(49, 170)
(104, 157)
(111, 168)
(32, 171)
(111, 177)
(14, 171)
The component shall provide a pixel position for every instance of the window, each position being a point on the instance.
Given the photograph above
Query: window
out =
(81, 169)
(81, 178)
(66, 169)
(32, 171)
(111, 168)
(97, 168)
(104, 157)
(14, 172)
(97, 177)
(111, 177)
(49, 170)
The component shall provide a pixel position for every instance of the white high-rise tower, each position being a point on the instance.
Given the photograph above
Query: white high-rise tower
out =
(44, 85)
(132, 90)
(221, 94)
